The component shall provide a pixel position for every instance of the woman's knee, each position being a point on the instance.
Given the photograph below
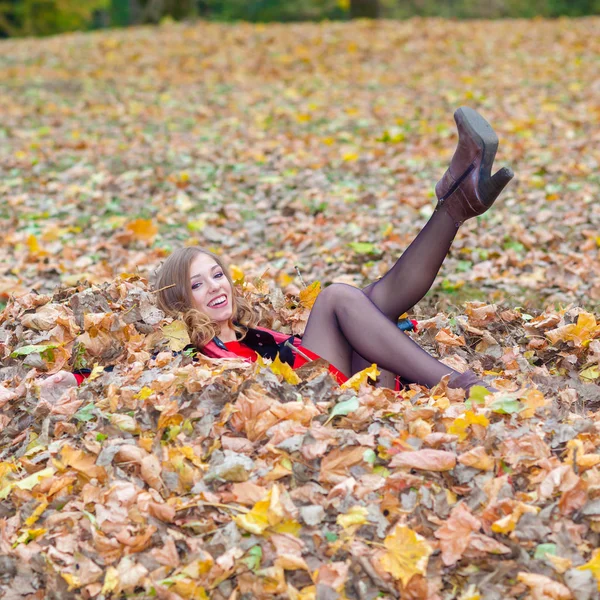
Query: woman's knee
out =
(337, 294)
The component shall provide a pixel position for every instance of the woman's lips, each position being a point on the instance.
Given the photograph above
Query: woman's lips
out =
(222, 303)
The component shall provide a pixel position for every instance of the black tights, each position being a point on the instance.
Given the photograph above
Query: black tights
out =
(352, 328)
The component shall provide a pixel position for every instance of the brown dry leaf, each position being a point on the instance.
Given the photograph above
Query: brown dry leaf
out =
(335, 464)
(477, 458)
(455, 533)
(425, 460)
(544, 588)
(480, 314)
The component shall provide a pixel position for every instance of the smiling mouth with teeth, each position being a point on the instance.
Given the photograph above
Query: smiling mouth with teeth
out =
(218, 301)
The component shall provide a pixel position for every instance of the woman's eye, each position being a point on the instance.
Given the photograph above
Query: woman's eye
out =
(195, 286)
(219, 275)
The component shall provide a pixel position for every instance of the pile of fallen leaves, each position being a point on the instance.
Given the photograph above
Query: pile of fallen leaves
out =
(302, 153)
(179, 477)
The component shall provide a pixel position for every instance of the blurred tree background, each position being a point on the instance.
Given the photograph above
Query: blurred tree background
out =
(47, 17)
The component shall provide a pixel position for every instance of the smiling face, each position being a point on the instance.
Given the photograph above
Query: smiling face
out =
(211, 290)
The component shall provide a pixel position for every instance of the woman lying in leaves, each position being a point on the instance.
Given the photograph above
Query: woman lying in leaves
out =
(348, 327)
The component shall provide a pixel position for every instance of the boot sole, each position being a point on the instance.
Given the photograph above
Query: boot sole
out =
(481, 131)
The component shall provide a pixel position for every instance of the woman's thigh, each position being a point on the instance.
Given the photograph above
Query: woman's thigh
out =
(323, 335)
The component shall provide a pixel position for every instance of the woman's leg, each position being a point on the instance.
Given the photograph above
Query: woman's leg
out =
(410, 278)
(467, 189)
(343, 320)
(414, 272)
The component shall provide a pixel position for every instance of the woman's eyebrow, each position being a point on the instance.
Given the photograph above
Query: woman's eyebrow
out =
(200, 274)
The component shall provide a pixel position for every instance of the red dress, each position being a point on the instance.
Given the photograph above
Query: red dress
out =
(244, 351)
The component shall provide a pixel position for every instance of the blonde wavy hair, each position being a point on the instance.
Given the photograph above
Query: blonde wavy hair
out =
(174, 297)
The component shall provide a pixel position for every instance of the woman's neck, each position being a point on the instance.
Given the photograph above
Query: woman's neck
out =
(227, 333)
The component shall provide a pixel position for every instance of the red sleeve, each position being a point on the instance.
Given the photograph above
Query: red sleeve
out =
(80, 377)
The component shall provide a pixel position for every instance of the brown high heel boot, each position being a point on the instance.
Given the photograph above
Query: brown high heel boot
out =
(468, 188)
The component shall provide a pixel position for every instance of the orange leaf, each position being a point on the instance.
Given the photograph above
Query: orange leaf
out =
(142, 229)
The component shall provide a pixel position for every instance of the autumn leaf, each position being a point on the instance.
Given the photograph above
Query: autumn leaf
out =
(580, 333)
(356, 515)
(455, 533)
(407, 554)
(177, 334)
(283, 369)
(361, 377)
(425, 460)
(461, 424)
(142, 229)
(308, 295)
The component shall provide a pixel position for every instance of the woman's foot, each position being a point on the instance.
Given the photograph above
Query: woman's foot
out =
(468, 188)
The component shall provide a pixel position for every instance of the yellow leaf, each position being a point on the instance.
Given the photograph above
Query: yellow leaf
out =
(593, 565)
(579, 333)
(344, 4)
(290, 526)
(350, 156)
(28, 483)
(407, 554)
(357, 515)
(508, 523)
(36, 514)
(260, 517)
(124, 422)
(236, 274)
(72, 580)
(532, 399)
(283, 369)
(590, 374)
(142, 229)
(111, 580)
(461, 424)
(309, 294)
(177, 334)
(144, 393)
(361, 377)
(307, 593)
(32, 244)
(96, 372)
(28, 535)
(268, 513)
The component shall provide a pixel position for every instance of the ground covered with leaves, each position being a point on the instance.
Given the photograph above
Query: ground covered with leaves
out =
(303, 153)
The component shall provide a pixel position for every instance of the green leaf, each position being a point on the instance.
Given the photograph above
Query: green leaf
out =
(341, 409)
(477, 394)
(331, 537)
(369, 456)
(364, 248)
(86, 413)
(253, 558)
(543, 549)
(26, 350)
(381, 471)
(506, 406)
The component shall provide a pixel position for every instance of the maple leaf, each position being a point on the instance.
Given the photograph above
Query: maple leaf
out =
(361, 377)
(461, 424)
(580, 333)
(142, 229)
(283, 369)
(455, 533)
(308, 295)
(407, 554)
(177, 334)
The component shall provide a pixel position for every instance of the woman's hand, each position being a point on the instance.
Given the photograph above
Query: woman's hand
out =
(53, 387)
